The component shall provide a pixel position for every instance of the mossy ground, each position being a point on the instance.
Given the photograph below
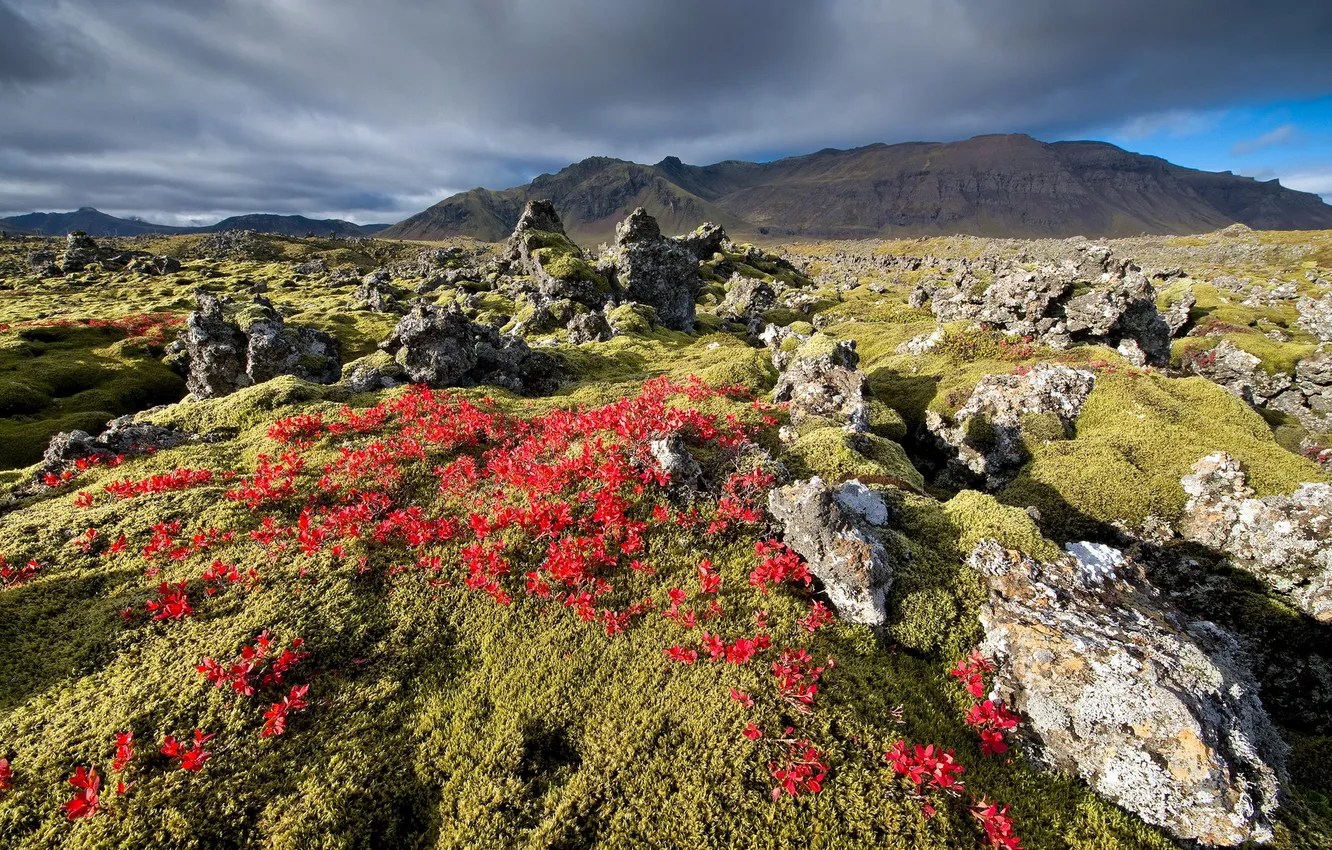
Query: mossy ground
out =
(440, 719)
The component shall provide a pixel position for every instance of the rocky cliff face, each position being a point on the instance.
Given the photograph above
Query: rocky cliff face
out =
(1003, 186)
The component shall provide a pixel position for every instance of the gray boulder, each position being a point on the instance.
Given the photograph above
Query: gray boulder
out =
(653, 270)
(220, 356)
(987, 437)
(1316, 316)
(1283, 540)
(1157, 714)
(375, 294)
(820, 379)
(442, 348)
(747, 299)
(80, 251)
(541, 250)
(706, 240)
(43, 263)
(1177, 314)
(834, 534)
(589, 327)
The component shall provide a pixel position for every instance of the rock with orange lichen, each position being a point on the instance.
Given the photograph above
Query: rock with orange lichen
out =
(1157, 714)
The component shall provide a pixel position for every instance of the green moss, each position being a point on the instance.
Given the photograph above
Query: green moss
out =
(782, 317)
(633, 318)
(886, 422)
(979, 516)
(836, 456)
(1136, 438)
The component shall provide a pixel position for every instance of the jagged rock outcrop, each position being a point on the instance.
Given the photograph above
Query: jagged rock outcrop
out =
(1091, 297)
(589, 327)
(375, 294)
(43, 263)
(821, 380)
(1241, 373)
(1283, 540)
(705, 241)
(80, 252)
(648, 268)
(747, 299)
(987, 438)
(1177, 314)
(1157, 714)
(540, 249)
(153, 266)
(221, 355)
(1316, 316)
(833, 530)
(441, 347)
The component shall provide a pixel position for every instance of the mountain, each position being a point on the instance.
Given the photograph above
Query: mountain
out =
(96, 223)
(998, 186)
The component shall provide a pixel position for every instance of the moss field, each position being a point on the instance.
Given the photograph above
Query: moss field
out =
(440, 719)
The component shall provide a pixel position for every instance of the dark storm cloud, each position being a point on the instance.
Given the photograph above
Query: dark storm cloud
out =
(375, 109)
(26, 54)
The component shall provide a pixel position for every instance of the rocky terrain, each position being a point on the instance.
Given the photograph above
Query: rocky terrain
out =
(932, 543)
(997, 185)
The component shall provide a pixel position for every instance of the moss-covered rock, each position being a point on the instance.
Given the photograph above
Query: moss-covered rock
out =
(835, 456)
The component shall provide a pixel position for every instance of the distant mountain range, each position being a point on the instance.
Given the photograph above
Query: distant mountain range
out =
(997, 186)
(96, 223)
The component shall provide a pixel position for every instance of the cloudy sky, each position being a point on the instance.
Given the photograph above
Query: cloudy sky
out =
(189, 110)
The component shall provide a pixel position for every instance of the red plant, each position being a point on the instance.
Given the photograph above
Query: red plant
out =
(779, 564)
(819, 616)
(6, 776)
(191, 758)
(992, 718)
(752, 732)
(801, 770)
(11, 576)
(937, 767)
(275, 719)
(179, 479)
(679, 653)
(997, 824)
(86, 800)
(171, 602)
(124, 751)
(971, 670)
(255, 661)
(797, 678)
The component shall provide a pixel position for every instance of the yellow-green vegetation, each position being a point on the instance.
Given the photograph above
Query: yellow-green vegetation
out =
(1136, 437)
(438, 718)
(836, 456)
(67, 377)
(441, 719)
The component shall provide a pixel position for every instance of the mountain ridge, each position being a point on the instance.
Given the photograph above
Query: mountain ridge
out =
(94, 222)
(995, 185)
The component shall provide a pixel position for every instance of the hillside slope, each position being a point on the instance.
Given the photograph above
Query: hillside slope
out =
(97, 223)
(998, 186)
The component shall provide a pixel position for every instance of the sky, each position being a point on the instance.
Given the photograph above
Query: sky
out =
(186, 111)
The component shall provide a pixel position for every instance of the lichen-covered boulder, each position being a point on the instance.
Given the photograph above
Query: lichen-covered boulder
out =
(43, 263)
(1316, 316)
(275, 348)
(832, 529)
(540, 250)
(747, 299)
(1091, 297)
(988, 437)
(441, 347)
(1157, 714)
(375, 294)
(221, 355)
(80, 252)
(1177, 312)
(589, 327)
(1241, 373)
(821, 380)
(1126, 309)
(705, 241)
(651, 269)
(214, 350)
(1283, 540)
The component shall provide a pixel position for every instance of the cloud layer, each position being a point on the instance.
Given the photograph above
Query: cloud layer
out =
(372, 109)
